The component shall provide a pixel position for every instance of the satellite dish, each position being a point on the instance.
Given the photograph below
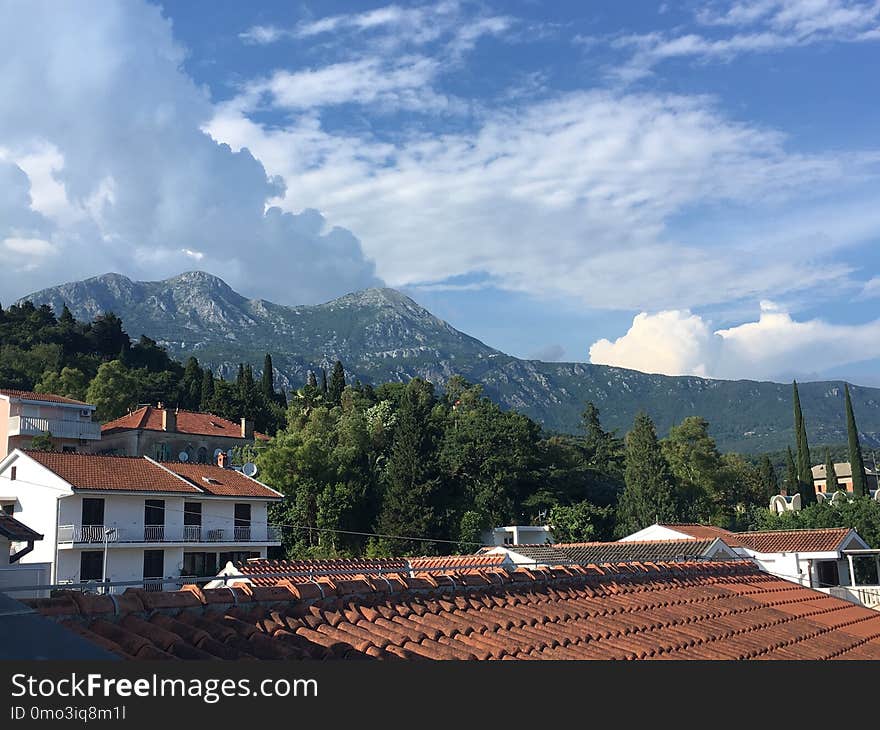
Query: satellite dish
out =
(183, 456)
(249, 469)
(229, 455)
(217, 453)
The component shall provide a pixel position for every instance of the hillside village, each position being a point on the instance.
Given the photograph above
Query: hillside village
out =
(395, 521)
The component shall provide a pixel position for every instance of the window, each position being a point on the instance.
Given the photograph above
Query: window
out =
(827, 573)
(192, 513)
(200, 565)
(238, 556)
(203, 455)
(13, 473)
(8, 508)
(92, 511)
(154, 563)
(68, 449)
(91, 565)
(154, 520)
(242, 522)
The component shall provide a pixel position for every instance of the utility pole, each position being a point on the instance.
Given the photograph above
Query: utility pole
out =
(107, 532)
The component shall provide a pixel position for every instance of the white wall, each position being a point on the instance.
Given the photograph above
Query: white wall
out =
(36, 491)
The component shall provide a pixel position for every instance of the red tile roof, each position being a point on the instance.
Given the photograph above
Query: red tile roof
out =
(633, 611)
(124, 473)
(148, 418)
(139, 474)
(219, 481)
(771, 541)
(458, 563)
(44, 397)
(299, 571)
(706, 532)
(799, 541)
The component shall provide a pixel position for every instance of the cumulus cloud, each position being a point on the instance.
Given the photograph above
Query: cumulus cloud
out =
(682, 343)
(102, 158)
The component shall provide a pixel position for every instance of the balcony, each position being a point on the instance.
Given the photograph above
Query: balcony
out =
(32, 426)
(79, 535)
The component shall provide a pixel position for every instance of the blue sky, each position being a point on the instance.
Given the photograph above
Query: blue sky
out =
(675, 187)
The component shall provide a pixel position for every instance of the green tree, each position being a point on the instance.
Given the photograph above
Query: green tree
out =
(649, 495)
(769, 480)
(70, 382)
(191, 386)
(43, 442)
(412, 475)
(267, 380)
(696, 464)
(831, 483)
(791, 476)
(581, 522)
(804, 461)
(337, 383)
(856, 462)
(113, 390)
(206, 393)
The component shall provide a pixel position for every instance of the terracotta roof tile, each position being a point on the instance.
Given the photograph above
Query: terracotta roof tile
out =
(635, 550)
(149, 418)
(769, 541)
(219, 481)
(126, 473)
(699, 610)
(29, 395)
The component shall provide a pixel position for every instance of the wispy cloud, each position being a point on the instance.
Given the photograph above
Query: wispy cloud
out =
(754, 26)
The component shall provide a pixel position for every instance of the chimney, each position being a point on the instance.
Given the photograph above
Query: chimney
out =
(247, 428)
(222, 460)
(169, 419)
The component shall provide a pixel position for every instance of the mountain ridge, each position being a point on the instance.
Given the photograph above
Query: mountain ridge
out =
(382, 334)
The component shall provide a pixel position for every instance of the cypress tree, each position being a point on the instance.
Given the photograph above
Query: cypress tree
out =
(804, 462)
(337, 383)
(323, 382)
(768, 477)
(649, 495)
(311, 380)
(791, 477)
(831, 483)
(856, 462)
(267, 381)
(412, 473)
(207, 394)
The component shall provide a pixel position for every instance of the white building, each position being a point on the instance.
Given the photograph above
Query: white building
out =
(518, 535)
(16, 541)
(133, 519)
(824, 559)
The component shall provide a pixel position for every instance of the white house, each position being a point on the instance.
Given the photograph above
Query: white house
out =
(518, 535)
(818, 558)
(120, 518)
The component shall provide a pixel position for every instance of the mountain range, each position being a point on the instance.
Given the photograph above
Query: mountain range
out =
(382, 335)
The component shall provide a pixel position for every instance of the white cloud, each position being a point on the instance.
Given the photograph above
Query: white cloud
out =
(757, 26)
(871, 289)
(104, 159)
(682, 343)
(28, 246)
(569, 197)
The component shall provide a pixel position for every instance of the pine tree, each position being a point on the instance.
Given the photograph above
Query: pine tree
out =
(804, 462)
(337, 383)
(267, 381)
(649, 495)
(412, 473)
(831, 483)
(791, 477)
(768, 477)
(856, 462)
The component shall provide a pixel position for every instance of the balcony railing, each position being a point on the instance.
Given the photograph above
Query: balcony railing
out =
(32, 426)
(94, 534)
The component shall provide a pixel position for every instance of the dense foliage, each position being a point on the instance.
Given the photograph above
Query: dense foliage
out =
(97, 362)
(399, 468)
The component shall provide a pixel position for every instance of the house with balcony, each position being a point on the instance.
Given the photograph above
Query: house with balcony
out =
(172, 434)
(24, 415)
(129, 518)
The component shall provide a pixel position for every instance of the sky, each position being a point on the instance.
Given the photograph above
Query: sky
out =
(684, 188)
